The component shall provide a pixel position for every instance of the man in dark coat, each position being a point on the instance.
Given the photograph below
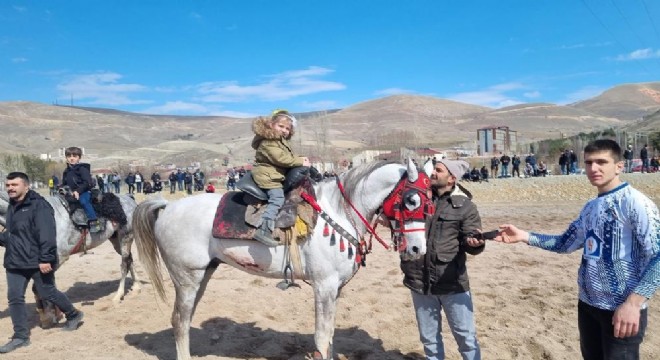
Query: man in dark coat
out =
(30, 253)
(644, 155)
(439, 280)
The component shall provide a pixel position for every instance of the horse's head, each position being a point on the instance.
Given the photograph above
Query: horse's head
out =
(406, 209)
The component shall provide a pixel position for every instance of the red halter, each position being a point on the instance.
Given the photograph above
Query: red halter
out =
(394, 207)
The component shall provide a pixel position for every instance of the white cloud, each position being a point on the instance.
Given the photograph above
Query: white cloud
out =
(19, 60)
(101, 89)
(495, 96)
(532, 94)
(393, 91)
(584, 93)
(278, 87)
(640, 54)
(20, 9)
(196, 16)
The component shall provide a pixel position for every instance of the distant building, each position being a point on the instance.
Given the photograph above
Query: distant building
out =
(496, 139)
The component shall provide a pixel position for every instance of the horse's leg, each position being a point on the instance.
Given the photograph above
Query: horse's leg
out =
(122, 245)
(190, 287)
(49, 314)
(325, 301)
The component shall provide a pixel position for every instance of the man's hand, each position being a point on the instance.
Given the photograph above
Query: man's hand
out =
(45, 268)
(510, 234)
(627, 315)
(76, 195)
(472, 242)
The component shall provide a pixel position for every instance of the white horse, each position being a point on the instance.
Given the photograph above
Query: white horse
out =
(183, 235)
(71, 240)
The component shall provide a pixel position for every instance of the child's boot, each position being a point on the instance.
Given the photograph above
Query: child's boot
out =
(264, 234)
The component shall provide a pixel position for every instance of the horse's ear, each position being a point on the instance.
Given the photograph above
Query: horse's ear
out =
(428, 167)
(412, 171)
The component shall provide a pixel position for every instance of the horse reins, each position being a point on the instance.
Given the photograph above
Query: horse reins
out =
(370, 229)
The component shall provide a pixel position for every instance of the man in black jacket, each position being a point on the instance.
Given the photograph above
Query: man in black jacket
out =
(439, 279)
(30, 253)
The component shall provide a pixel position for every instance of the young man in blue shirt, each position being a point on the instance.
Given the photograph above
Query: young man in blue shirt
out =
(619, 232)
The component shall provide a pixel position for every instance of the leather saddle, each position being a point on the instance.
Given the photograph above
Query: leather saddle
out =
(251, 202)
(106, 206)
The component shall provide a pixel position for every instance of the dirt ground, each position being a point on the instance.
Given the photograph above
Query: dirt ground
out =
(525, 298)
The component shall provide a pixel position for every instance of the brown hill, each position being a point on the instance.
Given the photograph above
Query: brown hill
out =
(114, 137)
(626, 102)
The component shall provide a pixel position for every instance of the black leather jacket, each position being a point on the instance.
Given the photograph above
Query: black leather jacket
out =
(442, 270)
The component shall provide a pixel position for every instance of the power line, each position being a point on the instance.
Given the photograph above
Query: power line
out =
(641, 42)
(655, 28)
(625, 50)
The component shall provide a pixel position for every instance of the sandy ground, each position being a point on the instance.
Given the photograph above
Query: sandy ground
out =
(525, 298)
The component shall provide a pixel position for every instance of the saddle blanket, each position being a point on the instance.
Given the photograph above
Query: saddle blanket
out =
(237, 217)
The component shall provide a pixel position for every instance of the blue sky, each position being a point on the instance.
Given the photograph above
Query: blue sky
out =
(245, 58)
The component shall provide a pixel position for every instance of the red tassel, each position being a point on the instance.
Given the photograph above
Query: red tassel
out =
(342, 247)
(358, 257)
(333, 239)
(326, 230)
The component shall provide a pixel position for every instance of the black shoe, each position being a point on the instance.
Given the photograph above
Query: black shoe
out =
(74, 322)
(14, 344)
(264, 234)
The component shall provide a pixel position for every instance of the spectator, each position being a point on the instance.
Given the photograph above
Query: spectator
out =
(148, 189)
(188, 182)
(100, 183)
(494, 165)
(515, 162)
(241, 172)
(628, 157)
(173, 179)
(138, 181)
(210, 188)
(644, 155)
(484, 173)
(130, 181)
(574, 161)
(505, 160)
(655, 164)
(116, 181)
(529, 170)
(542, 169)
(475, 175)
(531, 160)
(52, 188)
(563, 162)
(180, 179)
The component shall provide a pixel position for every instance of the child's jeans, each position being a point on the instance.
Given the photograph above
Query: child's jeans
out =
(275, 202)
(86, 202)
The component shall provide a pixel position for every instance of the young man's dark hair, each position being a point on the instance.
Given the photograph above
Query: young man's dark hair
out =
(17, 174)
(604, 145)
(73, 150)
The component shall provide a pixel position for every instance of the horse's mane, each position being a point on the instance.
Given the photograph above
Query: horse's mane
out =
(352, 178)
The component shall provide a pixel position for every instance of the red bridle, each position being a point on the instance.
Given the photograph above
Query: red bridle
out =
(395, 209)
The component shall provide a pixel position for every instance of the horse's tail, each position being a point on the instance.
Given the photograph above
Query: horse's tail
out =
(144, 219)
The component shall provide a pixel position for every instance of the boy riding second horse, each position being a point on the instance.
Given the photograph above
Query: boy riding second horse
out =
(78, 178)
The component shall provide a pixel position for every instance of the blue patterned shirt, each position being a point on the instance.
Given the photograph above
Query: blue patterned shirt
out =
(619, 232)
